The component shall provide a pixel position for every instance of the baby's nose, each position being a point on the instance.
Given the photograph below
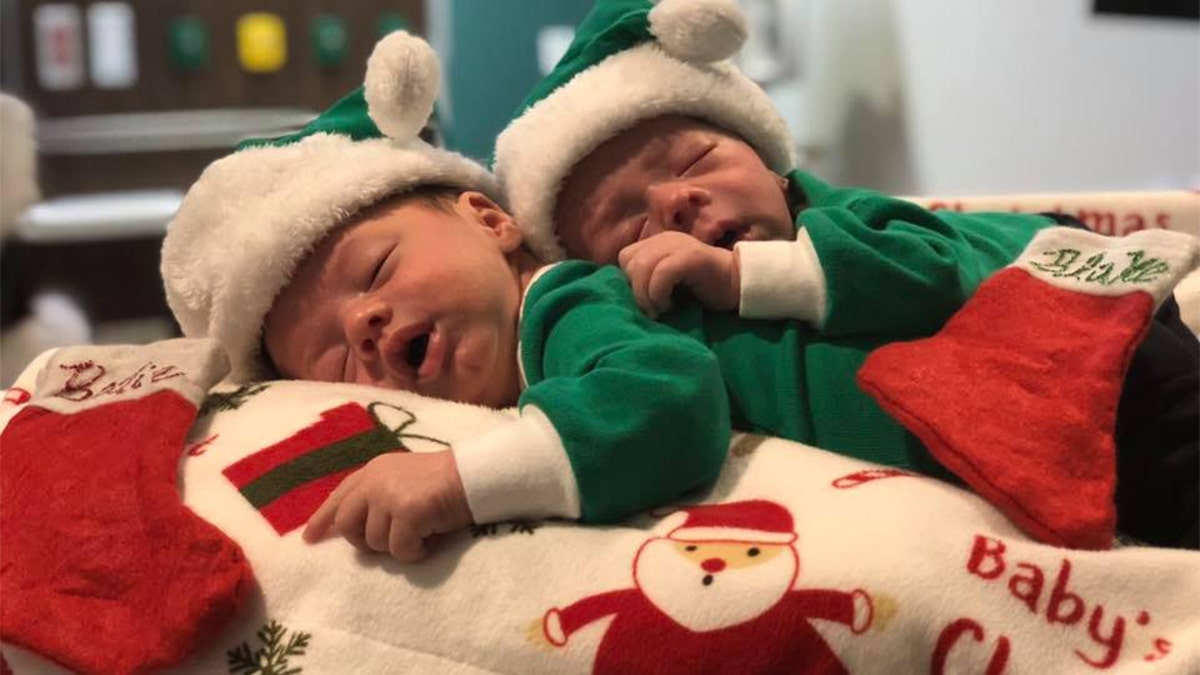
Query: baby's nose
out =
(676, 205)
(364, 328)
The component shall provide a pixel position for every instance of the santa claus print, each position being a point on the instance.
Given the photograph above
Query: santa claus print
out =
(716, 595)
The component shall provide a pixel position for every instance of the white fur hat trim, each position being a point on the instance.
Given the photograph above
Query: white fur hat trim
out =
(731, 534)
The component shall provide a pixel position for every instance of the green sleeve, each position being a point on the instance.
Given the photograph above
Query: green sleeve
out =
(897, 269)
(640, 407)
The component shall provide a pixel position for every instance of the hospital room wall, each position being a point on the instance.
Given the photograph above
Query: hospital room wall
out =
(951, 97)
(491, 52)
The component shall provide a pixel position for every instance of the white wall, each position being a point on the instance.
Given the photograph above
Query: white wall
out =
(995, 96)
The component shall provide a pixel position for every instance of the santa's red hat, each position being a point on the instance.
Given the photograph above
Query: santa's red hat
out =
(757, 522)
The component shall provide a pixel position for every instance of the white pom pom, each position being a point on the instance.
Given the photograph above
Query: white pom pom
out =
(699, 30)
(401, 85)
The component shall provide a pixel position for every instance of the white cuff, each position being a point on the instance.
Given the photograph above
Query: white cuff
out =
(519, 470)
(782, 280)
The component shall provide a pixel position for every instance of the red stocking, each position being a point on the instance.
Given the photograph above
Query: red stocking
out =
(104, 570)
(1018, 393)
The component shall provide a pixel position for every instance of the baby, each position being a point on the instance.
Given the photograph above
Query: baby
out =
(390, 263)
(641, 149)
(642, 131)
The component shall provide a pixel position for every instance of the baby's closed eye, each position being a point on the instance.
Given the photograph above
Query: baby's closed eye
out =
(695, 159)
(378, 272)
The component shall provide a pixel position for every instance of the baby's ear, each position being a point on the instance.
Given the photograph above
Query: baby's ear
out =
(492, 218)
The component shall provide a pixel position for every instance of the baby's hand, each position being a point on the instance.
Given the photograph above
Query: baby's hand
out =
(657, 264)
(394, 504)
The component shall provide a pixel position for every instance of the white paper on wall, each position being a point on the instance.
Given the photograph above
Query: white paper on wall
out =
(58, 39)
(112, 45)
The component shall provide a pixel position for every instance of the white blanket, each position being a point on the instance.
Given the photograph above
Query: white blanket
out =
(870, 570)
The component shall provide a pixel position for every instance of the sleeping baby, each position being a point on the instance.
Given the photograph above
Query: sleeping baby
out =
(641, 149)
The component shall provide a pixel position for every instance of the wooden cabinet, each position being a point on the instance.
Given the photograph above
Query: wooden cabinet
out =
(162, 131)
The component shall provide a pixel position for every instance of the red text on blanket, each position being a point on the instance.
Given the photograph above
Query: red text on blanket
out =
(857, 478)
(1026, 581)
(1111, 223)
(963, 628)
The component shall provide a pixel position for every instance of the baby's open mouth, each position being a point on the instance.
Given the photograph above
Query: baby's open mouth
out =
(417, 347)
(728, 239)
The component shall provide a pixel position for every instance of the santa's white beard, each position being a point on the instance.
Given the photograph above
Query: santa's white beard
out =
(675, 585)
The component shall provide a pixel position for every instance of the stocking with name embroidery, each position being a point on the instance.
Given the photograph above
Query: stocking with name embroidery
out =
(1018, 393)
(104, 569)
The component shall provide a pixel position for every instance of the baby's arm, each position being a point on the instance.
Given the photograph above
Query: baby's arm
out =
(864, 263)
(621, 413)
(394, 504)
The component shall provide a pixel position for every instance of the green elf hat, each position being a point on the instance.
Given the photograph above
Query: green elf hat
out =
(253, 216)
(631, 60)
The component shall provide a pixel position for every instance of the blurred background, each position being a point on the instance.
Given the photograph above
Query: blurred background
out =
(128, 101)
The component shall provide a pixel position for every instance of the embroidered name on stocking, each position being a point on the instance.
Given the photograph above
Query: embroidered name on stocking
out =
(1063, 263)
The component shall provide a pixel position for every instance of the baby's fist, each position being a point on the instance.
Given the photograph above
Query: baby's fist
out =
(394, 504)
(658, 264)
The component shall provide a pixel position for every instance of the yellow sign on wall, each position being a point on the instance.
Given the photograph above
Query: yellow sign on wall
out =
(261, 42)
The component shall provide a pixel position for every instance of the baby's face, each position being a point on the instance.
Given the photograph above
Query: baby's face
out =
(407, 297)
(670, 173)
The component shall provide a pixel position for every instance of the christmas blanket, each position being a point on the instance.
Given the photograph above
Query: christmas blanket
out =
(797, 560)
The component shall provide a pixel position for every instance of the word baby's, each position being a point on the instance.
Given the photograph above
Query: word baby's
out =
(1027, 581)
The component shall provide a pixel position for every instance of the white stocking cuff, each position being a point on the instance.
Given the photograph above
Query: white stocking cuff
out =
(1152, 261)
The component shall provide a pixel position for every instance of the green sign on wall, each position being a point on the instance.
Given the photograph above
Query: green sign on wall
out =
(187, 44)
(329, 40)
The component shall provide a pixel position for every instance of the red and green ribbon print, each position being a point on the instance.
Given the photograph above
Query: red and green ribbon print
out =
(288, 481)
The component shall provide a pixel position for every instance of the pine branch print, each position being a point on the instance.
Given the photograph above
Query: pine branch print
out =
(272, 657)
